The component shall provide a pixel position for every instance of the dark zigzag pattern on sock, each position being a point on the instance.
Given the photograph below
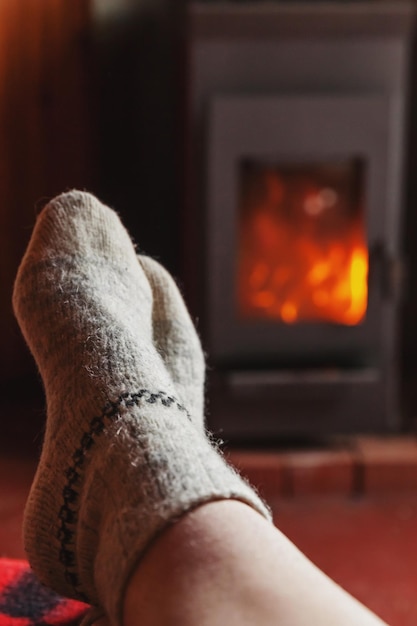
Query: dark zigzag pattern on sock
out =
(68, 512)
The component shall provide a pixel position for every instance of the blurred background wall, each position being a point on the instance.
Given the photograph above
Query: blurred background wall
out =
(45, 134)
(87, 101)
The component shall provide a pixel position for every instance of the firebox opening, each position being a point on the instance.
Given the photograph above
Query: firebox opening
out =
(302, 254)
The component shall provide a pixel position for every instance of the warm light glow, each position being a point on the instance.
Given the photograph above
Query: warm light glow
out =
(358, 284)
(308, 265)
(289, 312)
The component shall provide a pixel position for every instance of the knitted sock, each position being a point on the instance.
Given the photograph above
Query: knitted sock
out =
(123, 456)
(176, 339)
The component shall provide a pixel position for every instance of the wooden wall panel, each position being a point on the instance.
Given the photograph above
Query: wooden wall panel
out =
(46, 131)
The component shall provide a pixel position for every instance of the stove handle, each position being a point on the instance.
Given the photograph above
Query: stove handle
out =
(387, 272)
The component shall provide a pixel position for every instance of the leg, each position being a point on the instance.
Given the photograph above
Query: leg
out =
(131, 503)
(224, 564)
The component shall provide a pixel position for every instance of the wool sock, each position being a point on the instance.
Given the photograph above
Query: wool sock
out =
(124, 454)
(176, 339)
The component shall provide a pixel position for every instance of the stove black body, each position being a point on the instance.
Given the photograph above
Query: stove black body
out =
(305, 81)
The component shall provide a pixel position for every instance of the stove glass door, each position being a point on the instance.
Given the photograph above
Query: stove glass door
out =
(302, 251)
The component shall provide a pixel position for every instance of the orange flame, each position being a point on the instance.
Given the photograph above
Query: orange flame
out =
(290, 274)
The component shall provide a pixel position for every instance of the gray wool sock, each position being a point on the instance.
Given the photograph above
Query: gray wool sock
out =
(176, 340)
(124, 453)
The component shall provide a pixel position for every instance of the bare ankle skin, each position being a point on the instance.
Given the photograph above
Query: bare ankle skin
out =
(224, 564)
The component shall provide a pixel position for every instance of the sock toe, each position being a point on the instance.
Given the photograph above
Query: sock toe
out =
(76, 222)
(79, 255)
(175, 337)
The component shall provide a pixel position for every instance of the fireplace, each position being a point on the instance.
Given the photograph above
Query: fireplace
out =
(297, 136)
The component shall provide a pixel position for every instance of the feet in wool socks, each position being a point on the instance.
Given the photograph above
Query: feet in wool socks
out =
(125, 452)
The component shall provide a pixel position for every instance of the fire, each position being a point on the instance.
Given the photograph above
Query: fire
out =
(306, 269)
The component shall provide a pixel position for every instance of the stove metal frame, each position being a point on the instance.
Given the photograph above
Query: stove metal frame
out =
(300, 81)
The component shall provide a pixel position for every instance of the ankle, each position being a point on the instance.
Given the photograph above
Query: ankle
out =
(206, 556)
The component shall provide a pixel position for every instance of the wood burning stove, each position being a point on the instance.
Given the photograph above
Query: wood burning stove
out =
(297, 132)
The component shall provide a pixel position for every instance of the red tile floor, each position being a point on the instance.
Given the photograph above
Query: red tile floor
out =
(369, 546)
(367, 543)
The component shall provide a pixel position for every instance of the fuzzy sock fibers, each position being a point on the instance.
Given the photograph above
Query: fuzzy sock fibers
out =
(124, 452)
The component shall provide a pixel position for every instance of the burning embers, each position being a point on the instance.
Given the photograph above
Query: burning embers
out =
(302, 250)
